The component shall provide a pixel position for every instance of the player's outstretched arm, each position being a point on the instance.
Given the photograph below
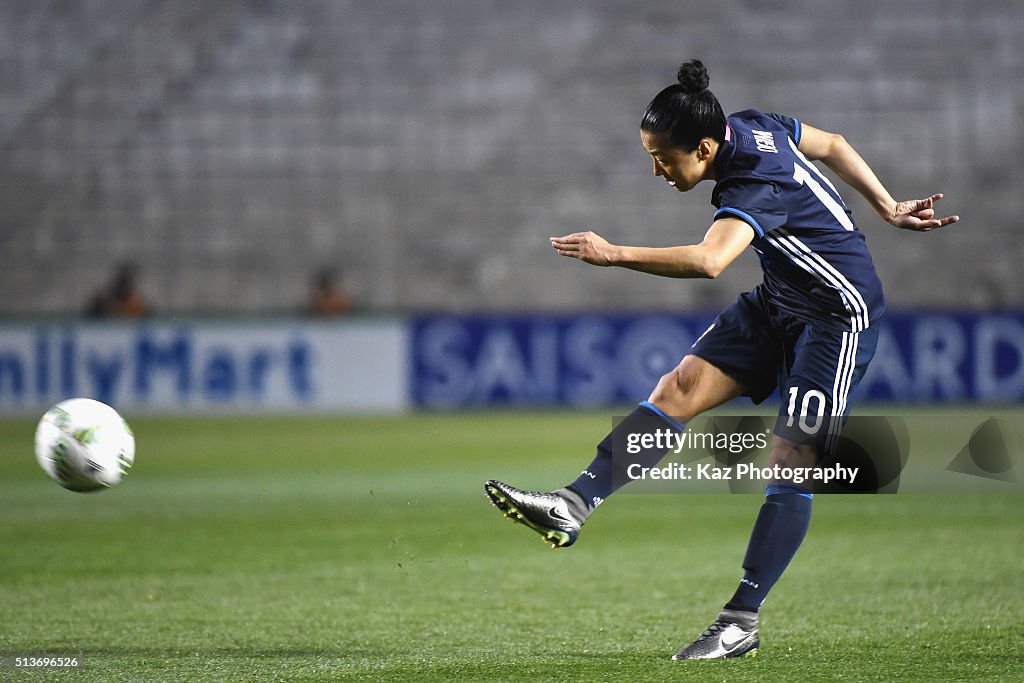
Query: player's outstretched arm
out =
(724, 241)
(835, 152)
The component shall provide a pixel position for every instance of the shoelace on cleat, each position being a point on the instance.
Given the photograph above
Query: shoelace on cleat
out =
(714, 629)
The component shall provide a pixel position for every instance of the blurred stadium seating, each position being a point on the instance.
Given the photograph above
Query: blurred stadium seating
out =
(429, 148)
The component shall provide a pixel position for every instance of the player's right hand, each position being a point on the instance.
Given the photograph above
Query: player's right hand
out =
(588, 247)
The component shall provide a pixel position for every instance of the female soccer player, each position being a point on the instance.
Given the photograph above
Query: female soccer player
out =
(808, 329)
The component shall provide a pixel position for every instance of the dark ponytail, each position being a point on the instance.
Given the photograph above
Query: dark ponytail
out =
(686, 111)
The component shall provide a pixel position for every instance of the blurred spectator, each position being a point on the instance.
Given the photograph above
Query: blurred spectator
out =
(325, 298)
(120, 299)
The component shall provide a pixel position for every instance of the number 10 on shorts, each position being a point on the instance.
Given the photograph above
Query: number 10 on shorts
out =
(813, 406)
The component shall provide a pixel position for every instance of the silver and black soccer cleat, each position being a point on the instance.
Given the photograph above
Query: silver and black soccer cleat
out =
(546, 513)
(734, 634)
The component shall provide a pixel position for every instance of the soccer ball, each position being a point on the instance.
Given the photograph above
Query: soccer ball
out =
(84, 445)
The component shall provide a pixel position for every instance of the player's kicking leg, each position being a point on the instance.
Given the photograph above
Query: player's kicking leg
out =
(546, 513)
(691, 388)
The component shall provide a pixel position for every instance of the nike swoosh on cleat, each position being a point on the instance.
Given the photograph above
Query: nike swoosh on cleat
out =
(553, 512)
(729, 645)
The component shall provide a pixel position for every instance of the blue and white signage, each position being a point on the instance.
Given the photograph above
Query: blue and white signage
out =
(600, 359)
(449, 361)
(207, 366)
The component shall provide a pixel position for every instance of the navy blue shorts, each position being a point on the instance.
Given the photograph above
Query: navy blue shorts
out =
(814, 366)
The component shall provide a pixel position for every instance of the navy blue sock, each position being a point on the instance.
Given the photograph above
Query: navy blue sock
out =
(608, 473)
(780, 528)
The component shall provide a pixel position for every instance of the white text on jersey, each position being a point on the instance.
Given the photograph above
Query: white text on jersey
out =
(764, 141)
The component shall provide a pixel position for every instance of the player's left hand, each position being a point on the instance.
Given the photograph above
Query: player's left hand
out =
(588, 247)
(919, 215)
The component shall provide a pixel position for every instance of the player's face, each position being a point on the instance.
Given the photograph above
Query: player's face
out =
(681, 169)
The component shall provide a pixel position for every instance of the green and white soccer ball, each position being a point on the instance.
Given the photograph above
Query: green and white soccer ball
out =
(84, 445)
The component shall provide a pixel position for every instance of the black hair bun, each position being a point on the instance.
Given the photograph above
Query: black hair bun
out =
(693, 76)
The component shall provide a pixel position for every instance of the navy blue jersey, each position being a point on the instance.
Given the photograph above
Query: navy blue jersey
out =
(815, 261)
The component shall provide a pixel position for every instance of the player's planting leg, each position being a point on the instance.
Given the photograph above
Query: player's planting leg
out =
(558, 515)
(778, 532)
(733, 634)
(780, 528)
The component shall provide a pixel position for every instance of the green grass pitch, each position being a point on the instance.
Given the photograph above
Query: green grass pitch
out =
(364, 549)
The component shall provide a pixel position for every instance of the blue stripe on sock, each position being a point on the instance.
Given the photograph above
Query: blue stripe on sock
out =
(776, 489)
(658, 411)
